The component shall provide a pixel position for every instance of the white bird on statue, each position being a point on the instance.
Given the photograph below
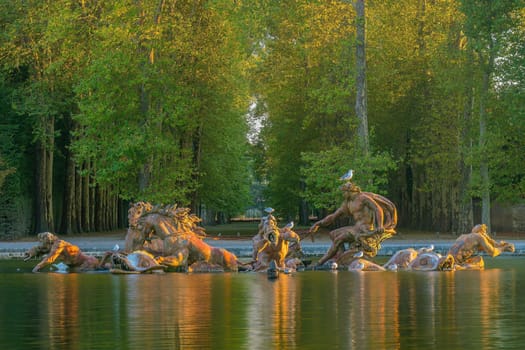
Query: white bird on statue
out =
(269, 210)
(348, 176)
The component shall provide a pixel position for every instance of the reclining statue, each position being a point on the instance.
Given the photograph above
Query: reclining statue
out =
(466, 248)
(374, 216)
(132, 263)
(60, 250)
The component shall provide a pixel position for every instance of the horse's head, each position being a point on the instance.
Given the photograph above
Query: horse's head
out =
(136, 210)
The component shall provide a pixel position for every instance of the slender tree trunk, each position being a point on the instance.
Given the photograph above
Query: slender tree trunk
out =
(466, 216)
(361, 94)
(92, 206)
(44, 191)
(85, 200)
(484, 167)
(78, 202)
(69, 212)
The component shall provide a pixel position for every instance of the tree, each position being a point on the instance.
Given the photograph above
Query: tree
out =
(361, 93)
(486, 24)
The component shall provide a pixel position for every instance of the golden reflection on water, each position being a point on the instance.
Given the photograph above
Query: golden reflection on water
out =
(374, 311)
(346, 310)
(61, 310)
(178, 307)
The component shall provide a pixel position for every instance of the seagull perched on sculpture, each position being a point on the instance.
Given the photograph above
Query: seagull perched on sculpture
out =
(348, 176)
(269, 210)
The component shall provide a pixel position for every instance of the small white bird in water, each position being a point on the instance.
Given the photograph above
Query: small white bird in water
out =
(333, 265)
(61, 267)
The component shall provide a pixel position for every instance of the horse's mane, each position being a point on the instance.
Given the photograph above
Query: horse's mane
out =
(181, 217)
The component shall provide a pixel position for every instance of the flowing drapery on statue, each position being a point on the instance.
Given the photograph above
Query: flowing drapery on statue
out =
(374, 220)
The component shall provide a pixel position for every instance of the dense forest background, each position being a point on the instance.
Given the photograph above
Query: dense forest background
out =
(223, 105)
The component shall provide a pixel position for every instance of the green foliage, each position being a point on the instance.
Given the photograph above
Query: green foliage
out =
(155, 94)
(322, 172)
(154, 116)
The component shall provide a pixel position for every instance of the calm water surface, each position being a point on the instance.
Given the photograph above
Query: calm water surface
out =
(307, 310)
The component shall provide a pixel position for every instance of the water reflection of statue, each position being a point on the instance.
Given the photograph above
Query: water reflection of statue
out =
(375, 219)
(467, 245)
(57, 249)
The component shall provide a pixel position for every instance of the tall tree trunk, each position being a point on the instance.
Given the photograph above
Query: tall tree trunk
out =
(78, 202)
(44, 191)
(484, 167)
(466, 213)
(69, 217)
(361, 95)
(92, 206)
(85, 199)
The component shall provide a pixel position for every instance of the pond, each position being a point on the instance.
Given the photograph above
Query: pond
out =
(306, 310)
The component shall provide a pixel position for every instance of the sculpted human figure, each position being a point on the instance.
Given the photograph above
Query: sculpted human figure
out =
(57, 249)
(275, 246)
(468, 245)
(124, 263)
(267, 225)
(374, 216)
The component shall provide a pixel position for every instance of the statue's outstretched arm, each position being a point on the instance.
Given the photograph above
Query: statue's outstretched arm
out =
(53, 255)
(327, 220)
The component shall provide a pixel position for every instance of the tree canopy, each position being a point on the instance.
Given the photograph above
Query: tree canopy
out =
(109, 102)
